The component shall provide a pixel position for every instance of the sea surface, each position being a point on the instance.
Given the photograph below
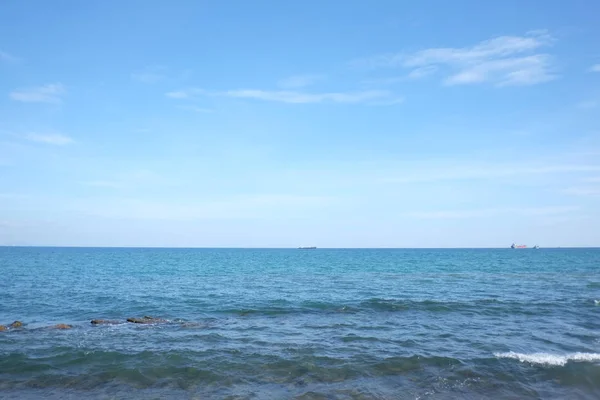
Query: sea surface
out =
(301, 324)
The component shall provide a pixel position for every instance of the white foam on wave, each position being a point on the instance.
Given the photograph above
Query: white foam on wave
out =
(550, 359)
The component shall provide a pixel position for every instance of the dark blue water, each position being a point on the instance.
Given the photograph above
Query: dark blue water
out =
(304, 324)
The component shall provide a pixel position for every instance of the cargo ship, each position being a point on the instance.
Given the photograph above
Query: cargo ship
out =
(307, 247)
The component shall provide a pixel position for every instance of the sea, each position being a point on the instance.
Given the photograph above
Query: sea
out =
(300, 324)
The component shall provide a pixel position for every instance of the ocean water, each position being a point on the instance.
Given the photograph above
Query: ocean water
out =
(301, 324)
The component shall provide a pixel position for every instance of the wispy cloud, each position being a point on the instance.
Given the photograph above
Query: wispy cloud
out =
(484, 172)
(133, 179)
(50, 93)
(303, 98)
(149, 74)
(13, 196)
(593, 191)
(588, 104)
(234, 207)
(6, 57)
(415, 74)
(294, 97)
(595, 68)
(501, 61)
(585, 191)
(491, 212)
(505, 72)
(104, 184)
(594, 179)
(181, 94)
(422, 72)
(50, 138)
(299, 81)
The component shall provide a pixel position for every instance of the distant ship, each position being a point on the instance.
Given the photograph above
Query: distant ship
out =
(307, 247)
(536, 247)
(518, 246)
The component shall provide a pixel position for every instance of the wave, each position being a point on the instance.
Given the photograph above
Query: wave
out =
(550, 359)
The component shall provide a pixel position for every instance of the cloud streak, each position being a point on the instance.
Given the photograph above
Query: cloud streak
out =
(52, 138)
(502, 61)
(296, 97)
(595, 68)
(593, 191)
(492, 212)
(304, 98)
(235, 207)
(50, 93)
(6, 57)
(483, 172)
(149, 75)
(133, 179)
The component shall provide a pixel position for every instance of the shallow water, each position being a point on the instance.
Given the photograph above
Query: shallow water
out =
(305, 324)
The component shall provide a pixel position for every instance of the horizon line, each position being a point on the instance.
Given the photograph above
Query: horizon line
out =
(290, 248)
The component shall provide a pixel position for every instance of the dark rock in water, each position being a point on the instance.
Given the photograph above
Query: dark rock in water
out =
(61, 326)
(2, 328)
(146, 320)
(104, 322)
(16, 324)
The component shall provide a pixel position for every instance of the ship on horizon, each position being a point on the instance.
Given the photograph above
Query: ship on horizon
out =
(518, 246)
(307, 247)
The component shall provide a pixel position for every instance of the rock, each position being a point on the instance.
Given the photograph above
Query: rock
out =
(16, 324)
(146, 320)
(104, 322)
(61, 326)
(2, 328)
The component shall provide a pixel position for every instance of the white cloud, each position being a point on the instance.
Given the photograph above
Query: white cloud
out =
(178, 94)
(595, 68)
(6, 57)
(502, 60)
(50, 138)
(491, 212)
(422, 72)
(529, 70)
(50, 93)
(295, 97)
(303, 98)
(299, 81)
(150, 74)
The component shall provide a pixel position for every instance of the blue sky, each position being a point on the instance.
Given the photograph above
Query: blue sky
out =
(279, 124)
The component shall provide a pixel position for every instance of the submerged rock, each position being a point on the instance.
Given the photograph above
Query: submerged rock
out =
(192, 325)
(146, 320)
(14, 325)
(61, 326)
(105, 322)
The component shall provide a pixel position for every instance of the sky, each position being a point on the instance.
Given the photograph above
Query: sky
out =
(281, 124)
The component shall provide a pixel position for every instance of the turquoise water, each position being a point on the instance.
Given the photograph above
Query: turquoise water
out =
(305, 324)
